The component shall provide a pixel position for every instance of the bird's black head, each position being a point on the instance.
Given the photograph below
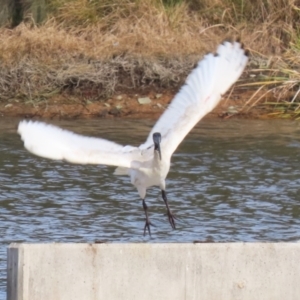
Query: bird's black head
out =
(157, 140)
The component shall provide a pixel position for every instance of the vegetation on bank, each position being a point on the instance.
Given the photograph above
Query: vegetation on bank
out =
(102, 46)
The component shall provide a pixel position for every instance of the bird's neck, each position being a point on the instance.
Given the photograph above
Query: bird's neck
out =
(157, 162)
(160, 166)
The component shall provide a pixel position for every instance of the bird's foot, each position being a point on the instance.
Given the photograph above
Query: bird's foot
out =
(171, 218)
(147, 226)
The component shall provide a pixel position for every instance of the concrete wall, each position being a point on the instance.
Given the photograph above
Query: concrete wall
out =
(154, 271)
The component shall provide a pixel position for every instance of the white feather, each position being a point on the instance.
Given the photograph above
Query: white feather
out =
(121, 171)
(55, 143)
(203, 89)
(212, 77)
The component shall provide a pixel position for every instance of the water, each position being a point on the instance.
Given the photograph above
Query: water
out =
(234, 180)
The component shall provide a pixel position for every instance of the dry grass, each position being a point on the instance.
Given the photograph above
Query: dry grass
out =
(133, 43)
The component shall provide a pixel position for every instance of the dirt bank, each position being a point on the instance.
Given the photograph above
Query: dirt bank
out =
(149, 104)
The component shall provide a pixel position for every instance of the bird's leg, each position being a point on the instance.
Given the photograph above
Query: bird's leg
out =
(170, 215)
(147, 223)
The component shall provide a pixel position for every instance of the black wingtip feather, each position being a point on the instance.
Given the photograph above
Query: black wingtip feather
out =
(231, 41)
(227, 41)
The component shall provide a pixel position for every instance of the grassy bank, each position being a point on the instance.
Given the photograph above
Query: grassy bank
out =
(95, 48)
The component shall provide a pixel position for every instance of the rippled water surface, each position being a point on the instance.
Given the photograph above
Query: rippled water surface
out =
(234, 180)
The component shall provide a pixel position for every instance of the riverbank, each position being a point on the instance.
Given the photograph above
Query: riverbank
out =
(136, 104)
(84, 55)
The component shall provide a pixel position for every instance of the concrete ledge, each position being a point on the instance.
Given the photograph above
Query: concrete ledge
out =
(154, 271)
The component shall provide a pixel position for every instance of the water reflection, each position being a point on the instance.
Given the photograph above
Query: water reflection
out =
(234, 180)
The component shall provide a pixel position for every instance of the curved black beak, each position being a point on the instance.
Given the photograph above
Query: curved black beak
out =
(157, 140)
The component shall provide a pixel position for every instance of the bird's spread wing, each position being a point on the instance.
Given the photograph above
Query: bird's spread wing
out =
(55, 143)
(203, 89)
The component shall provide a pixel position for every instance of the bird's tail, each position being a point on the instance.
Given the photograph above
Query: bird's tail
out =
(121, 171)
